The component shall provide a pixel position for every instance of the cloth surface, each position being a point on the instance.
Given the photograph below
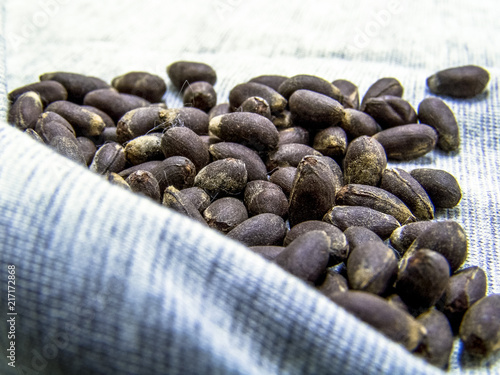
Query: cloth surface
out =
(110, 283)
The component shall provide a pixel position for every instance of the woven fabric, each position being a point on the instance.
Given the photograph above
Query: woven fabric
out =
(110, 283)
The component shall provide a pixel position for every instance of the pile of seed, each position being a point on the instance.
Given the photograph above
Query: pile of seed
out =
(295, 168)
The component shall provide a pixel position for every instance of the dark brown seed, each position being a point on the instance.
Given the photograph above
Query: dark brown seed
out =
(189, 117)
(294, 134)
(437, 344)
(282, 120)
(284, 177)
(140, 121)
(422, 278)
(405, 187)
(107, 135)
(110, 157)
(334, 283)
(313, 110)
(77, 85)
(256, 169)
(371, 267)
(268, 252)
(447, 238)
(344, 217)
(143, 84)
(349, 91)
(307, 256)
(33, 135)
(389, 111)
(243, 91)
(389, 320)
(87, 147)
(49, 91)
(459, 82)
(117, 180)
(289, 155)
(434, 112)
(183, 73)
(67, 147)
(105, 117)
(338, 178)
(225, 214)
(23, 114)
(144, 148)
(114, 103)
(50, 125)
(265, 197)
(313, 192)
(248, 129)
(357, 123)
(441, 186)
(260, 230)
(147, 166)
(200, 95)
(174, 200)
(464, 289)
(480, 328)
(359, 235)
(227, 176)
(273, 81)
(375, 198)
(197, 196)
(403, 237)
(83, 121)
(407, 142)
(144, 183)
(309, 82)
(364, 162)
(384, 86)
(219, 109)
(339, 248)
(331, 141)
(182, 141)
(256, 104)
(177, 171)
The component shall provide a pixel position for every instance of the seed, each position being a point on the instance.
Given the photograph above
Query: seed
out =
(144, 183)
(197, 196)
(480, 328)
(407, 142)
(375, 198)
(24, 113)
(334, 283)
(189, 117)
(357, 236)
(87, 147)
(384, 86)
(371, 267)
(437, 344)
(289, 155)
(143, 84)
(110, 157)
(174, 200)
(434, 112)
(389, 111)
(256, 104)
(307, 256)
(313, 192)
(344, 217)
(459, 82)
(389, 320)
(256, 169)
(227, 176)
(260, 230)
(176, 171)
(33, 135)
(364, 162)
(309, 82)
(105, 117)
(243, 91)
(405, 187)
(357, 123)
(114, 103)
(339, 247)
(282, 120)
(349, 92)
(267, 252)
(83, 121)
(441, 186)
(294, 134)
(397, 302)
(49, 91)
(50, 125)
(248, 129)
(265, 197)
(273, 81)
(403, 236)
(200, 95)
(76, 85)
(117, 180)
(313, 110)
(107, 135)
(284, 177)
(67, 147)
(183, 73)
(422, 278)
(225, 214)
(219, 109)
(331, 141)
(140, 121)
(447, 238)
(144, 148)
(147, 166)
(182, 141)
(464, 289)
